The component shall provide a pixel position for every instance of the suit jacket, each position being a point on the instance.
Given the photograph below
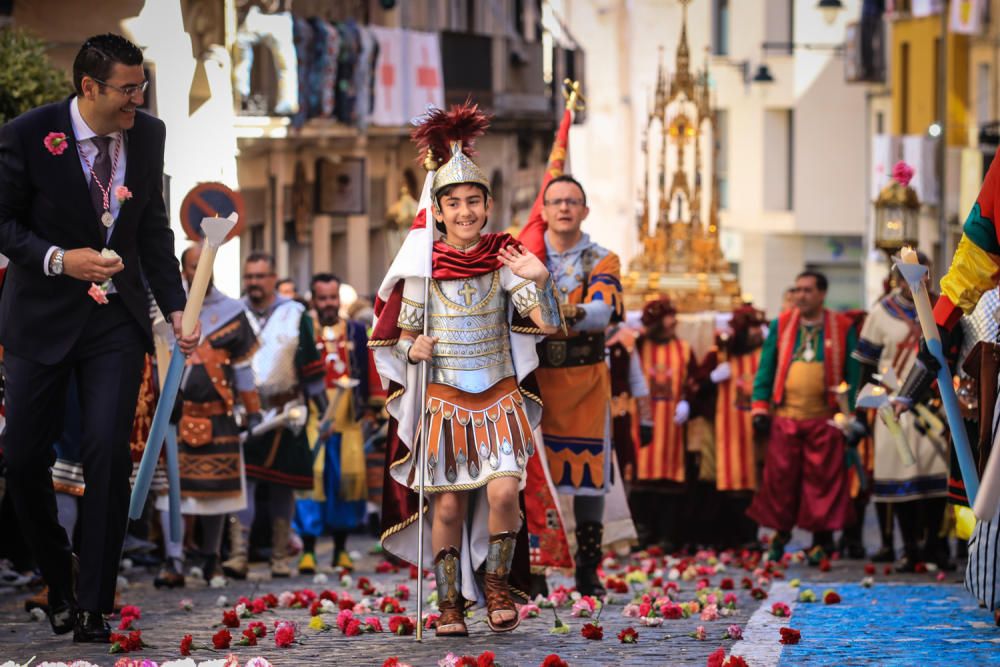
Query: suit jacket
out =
(45, 201)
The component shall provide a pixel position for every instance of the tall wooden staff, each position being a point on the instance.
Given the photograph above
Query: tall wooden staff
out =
(913, 272)
(215, 230)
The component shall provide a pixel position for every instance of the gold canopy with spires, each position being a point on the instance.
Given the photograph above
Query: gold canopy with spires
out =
(681, 256)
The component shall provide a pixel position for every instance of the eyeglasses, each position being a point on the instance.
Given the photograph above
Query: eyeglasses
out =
(571, 202)
(252, 277)
(129, 90)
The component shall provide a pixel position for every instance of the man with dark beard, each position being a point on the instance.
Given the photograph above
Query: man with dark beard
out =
(661, 468)
(339, 496)
(288, 371)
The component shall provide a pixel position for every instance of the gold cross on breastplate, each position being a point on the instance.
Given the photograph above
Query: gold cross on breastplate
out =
(467, 291)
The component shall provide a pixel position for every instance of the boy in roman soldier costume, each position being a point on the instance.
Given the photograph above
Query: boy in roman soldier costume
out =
(488, 303)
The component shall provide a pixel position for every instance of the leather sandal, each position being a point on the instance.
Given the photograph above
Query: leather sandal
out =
(499, 557)
(451, 604)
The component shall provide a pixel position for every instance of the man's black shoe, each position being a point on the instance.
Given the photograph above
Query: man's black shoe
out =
(91, 628)
(62, 613)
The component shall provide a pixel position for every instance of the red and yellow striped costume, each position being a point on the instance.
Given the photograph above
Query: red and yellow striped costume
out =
(736, 467)
(666, 367)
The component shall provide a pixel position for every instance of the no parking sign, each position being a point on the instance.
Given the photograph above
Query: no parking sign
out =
(210, 200)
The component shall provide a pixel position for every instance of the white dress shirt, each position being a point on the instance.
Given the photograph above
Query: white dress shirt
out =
(87, 149)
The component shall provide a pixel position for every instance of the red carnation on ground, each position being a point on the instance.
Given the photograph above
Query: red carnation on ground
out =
(390, 605)
(258, 606)
(671, 611)
(353, 628)
(735, 661)
(258, 628)
(486, 659)
(186, 642)
(284, 636)
(758, 594)
(466, 661)
(592, 631)
(430, 621)
(831, 597)
(887, 570)
(746, 583)
(249, 638)
(315, 607)
(221, 639)
(401, 625)
(727, 584)
(781, 610)
(790, 636)
(328, 595)
(920, 568)
(385, 567)
(824, 565)
(869, 568)
(132, 611)
(553, 660)
(230, 619)
(628, 636)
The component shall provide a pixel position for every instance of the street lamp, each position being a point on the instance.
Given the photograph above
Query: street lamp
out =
(763, 74)
(830, 10)
(896, 213)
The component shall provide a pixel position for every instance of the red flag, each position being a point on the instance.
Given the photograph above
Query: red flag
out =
(532, 236)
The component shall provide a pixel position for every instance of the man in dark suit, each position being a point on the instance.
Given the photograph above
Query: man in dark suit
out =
(78, 177)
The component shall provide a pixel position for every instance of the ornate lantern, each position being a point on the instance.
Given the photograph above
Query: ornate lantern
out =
(897, 212)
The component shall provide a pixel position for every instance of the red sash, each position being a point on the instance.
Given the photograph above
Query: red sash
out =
(835, 328)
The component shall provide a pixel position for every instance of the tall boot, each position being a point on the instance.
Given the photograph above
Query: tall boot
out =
(280, 529)
(588, 556)
(885, 514)
(936, 549)
(451, 604)
(851, 542)
(499, 557)
(237, 565)
(909, 525)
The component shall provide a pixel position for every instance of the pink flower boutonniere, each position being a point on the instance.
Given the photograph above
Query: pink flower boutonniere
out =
(56, 142)
(99, 293)
(122, 194)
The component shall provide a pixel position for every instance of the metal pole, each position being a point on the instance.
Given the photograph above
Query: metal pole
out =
(421, 447)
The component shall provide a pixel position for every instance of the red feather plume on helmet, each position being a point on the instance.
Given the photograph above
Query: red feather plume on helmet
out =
(439, 128)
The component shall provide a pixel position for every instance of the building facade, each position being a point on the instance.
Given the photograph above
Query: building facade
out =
(791, 152)
(323, 191)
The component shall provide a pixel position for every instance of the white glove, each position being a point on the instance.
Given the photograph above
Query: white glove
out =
(682, 412)
(721, 373)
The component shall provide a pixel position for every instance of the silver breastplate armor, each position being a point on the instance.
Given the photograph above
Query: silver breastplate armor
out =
(274, 361)
(469, 318)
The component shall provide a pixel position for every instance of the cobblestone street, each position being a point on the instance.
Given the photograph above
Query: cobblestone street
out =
(875, 625)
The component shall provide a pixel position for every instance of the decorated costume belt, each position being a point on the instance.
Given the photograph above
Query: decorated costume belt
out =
(582, 350)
